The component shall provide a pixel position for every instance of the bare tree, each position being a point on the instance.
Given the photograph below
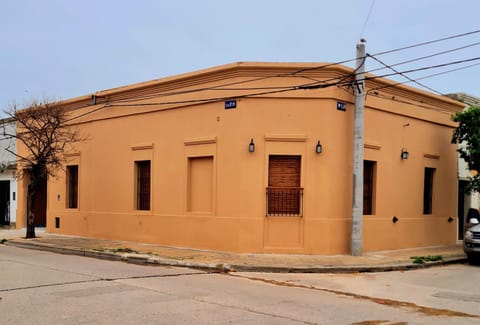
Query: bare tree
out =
(43, 135)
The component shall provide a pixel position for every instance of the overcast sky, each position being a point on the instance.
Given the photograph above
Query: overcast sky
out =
(63, 49)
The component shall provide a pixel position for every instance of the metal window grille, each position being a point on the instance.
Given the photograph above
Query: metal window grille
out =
(284, 201)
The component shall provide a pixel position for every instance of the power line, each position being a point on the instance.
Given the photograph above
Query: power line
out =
(292, 88)
(404, 75)
(368, 17)
(296, 74)
(323, 66)
(317, 85)
(425, 77)
(86, 113)
(427, 56)
(425, 68)
(428, 42)
(410, 103)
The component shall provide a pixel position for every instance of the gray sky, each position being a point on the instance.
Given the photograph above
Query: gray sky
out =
(63, 49)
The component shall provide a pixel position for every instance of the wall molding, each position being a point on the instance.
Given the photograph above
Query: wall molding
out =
(286, 137)
(431, 156)
(202, 140)
(142, 146)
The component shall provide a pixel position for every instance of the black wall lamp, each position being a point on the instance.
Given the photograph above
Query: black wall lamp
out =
(318, 147)
(394, 219)
(450, 219)
(251, 146)
(404, 154)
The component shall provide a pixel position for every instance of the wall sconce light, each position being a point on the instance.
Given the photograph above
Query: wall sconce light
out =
(394, 219)
(450, 219)
(251, 146)
(404, 154)
(318, 148)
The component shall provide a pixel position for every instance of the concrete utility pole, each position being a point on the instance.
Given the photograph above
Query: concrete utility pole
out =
(357, 208)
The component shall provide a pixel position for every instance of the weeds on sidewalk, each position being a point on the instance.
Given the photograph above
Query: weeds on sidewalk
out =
(116, 250)
(425, 259)
(3, 241)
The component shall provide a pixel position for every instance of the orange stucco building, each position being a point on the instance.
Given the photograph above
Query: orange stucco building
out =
(226, 159)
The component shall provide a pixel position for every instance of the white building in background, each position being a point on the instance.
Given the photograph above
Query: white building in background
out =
(472, 200)
(8, 166)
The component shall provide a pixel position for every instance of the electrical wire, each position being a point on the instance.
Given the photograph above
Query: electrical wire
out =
(425, 77)
(368, 17)
(428, 42)
(416, 104)
(426, 57)
(323, 66)
(299, 87)
(297, 74)
(221, 87)
(426, 68)
(404, 75)
(86, 113)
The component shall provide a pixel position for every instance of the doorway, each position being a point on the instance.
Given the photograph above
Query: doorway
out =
(41, 206)
(463, 205)
(5, 202)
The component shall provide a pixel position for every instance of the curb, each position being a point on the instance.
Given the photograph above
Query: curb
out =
(142, 259)
(145, 259)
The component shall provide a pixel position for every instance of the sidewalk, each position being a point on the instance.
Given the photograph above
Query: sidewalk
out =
(151, 254)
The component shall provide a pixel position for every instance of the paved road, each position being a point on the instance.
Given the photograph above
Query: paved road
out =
(46, 288)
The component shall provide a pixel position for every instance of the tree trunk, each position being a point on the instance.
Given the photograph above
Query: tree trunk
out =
(31, 209)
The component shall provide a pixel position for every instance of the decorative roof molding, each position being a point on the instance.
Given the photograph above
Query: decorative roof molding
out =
(256, 71)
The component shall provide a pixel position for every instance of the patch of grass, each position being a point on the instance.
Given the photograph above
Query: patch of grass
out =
(115, 250)
(3, 241)
(425, 259)
(123, 250)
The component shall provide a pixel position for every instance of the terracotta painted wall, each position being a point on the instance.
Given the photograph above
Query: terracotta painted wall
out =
(175, 140)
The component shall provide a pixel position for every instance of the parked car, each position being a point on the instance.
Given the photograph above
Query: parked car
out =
(471, 239)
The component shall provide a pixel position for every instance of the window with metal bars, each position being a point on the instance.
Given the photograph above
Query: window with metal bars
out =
(284, 194)
(143, 184)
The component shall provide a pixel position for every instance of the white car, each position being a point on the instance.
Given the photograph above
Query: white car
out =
(471, 239)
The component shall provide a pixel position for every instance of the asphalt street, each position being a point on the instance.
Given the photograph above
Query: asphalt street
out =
(46, 288)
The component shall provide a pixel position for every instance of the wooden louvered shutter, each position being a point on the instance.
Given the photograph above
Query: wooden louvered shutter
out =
(284, 185)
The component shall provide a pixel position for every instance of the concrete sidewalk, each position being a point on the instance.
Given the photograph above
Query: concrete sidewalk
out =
(227, 262)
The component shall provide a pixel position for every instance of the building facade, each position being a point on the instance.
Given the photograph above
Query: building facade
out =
(8, 181)
(257, 157)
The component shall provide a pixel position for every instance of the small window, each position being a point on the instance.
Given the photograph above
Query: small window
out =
(72, 187)
(428, 190)
(369, 170)
(143, 184)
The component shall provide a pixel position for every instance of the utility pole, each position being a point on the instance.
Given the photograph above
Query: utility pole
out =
(357, 208)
